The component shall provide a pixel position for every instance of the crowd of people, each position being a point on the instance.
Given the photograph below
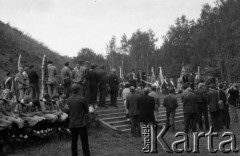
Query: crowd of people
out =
(200, 98)
(30, 108)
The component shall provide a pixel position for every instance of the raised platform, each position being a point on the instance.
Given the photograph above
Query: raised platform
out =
(115, 118)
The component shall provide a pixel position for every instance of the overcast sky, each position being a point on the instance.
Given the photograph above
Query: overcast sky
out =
(66, 26)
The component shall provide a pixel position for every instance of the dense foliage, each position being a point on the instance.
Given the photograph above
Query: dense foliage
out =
(13, 42)
(211, 42)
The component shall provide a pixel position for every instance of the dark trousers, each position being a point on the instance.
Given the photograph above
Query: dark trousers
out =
(102, 97)
(215, 116)
(113, 96)
(172, 114)
(225, 117)
(82, 131)
(203, 111)
(93, 94)
(190, 122)
(135, 126)
(66, 88)
(34, 91)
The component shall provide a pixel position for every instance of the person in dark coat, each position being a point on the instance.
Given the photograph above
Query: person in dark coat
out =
(33, 83)
(78, 108)
(131, 78)
(185, 79)
(171, 104)
(92, 76)
(190, 111)
(232, 102)
(224, 113)
(102, 86)
(146, 107)
(212, 100)
(113, 82)
(131, 103)
(201, 94)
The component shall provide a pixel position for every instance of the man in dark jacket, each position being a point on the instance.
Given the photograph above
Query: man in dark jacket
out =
(212, 100)
(171, 104)
(224, 113)
(232, 102)
(131, 103)
(102, 85)
(113, 82)
(78, 107)
(201, 94)
(190, 111)
(92, 76)
(34, 83)
(146, 106)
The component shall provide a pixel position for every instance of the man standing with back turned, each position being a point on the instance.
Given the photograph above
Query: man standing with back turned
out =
(78, 125)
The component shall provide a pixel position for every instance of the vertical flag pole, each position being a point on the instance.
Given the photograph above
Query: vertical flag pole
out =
(43, 75)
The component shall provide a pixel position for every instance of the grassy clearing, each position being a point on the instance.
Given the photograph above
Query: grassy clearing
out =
(105, 142)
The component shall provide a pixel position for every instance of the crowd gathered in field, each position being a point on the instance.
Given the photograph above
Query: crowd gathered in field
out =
(31, 108)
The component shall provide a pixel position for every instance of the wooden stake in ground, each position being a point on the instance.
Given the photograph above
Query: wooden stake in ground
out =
(43, 75)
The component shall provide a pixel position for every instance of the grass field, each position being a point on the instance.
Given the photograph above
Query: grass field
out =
(105, 142)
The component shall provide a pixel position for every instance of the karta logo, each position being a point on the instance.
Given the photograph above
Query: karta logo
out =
(151, 141)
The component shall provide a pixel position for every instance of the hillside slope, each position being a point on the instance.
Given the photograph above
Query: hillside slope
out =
(13, 42)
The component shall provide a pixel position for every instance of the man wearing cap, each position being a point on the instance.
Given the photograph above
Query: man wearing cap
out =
(131, 103)
(113, 82)
(78, 108)
(155, 95)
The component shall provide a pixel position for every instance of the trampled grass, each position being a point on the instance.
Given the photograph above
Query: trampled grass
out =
(105, 142)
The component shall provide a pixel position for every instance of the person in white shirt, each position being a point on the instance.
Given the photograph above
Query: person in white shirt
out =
(125, 93)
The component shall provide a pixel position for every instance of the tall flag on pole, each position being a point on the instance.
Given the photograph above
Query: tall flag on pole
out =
(19, 61)
(43, 75)
(153, 75)
(161, 78)
(120, 72)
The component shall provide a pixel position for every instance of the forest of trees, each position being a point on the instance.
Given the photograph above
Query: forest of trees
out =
(13, 42)
(212, 42)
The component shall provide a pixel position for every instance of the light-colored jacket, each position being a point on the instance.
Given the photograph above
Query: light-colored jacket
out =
(20, 80)
(66, 73)
(52, 74)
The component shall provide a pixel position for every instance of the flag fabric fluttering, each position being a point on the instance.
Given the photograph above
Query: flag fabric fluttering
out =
(161, 78)
(183, 70)
(153, 75)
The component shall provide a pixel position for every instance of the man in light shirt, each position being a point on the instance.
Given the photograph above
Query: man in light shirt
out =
(125, 93)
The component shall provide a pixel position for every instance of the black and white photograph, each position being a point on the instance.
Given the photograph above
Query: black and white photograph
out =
(119, 77)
